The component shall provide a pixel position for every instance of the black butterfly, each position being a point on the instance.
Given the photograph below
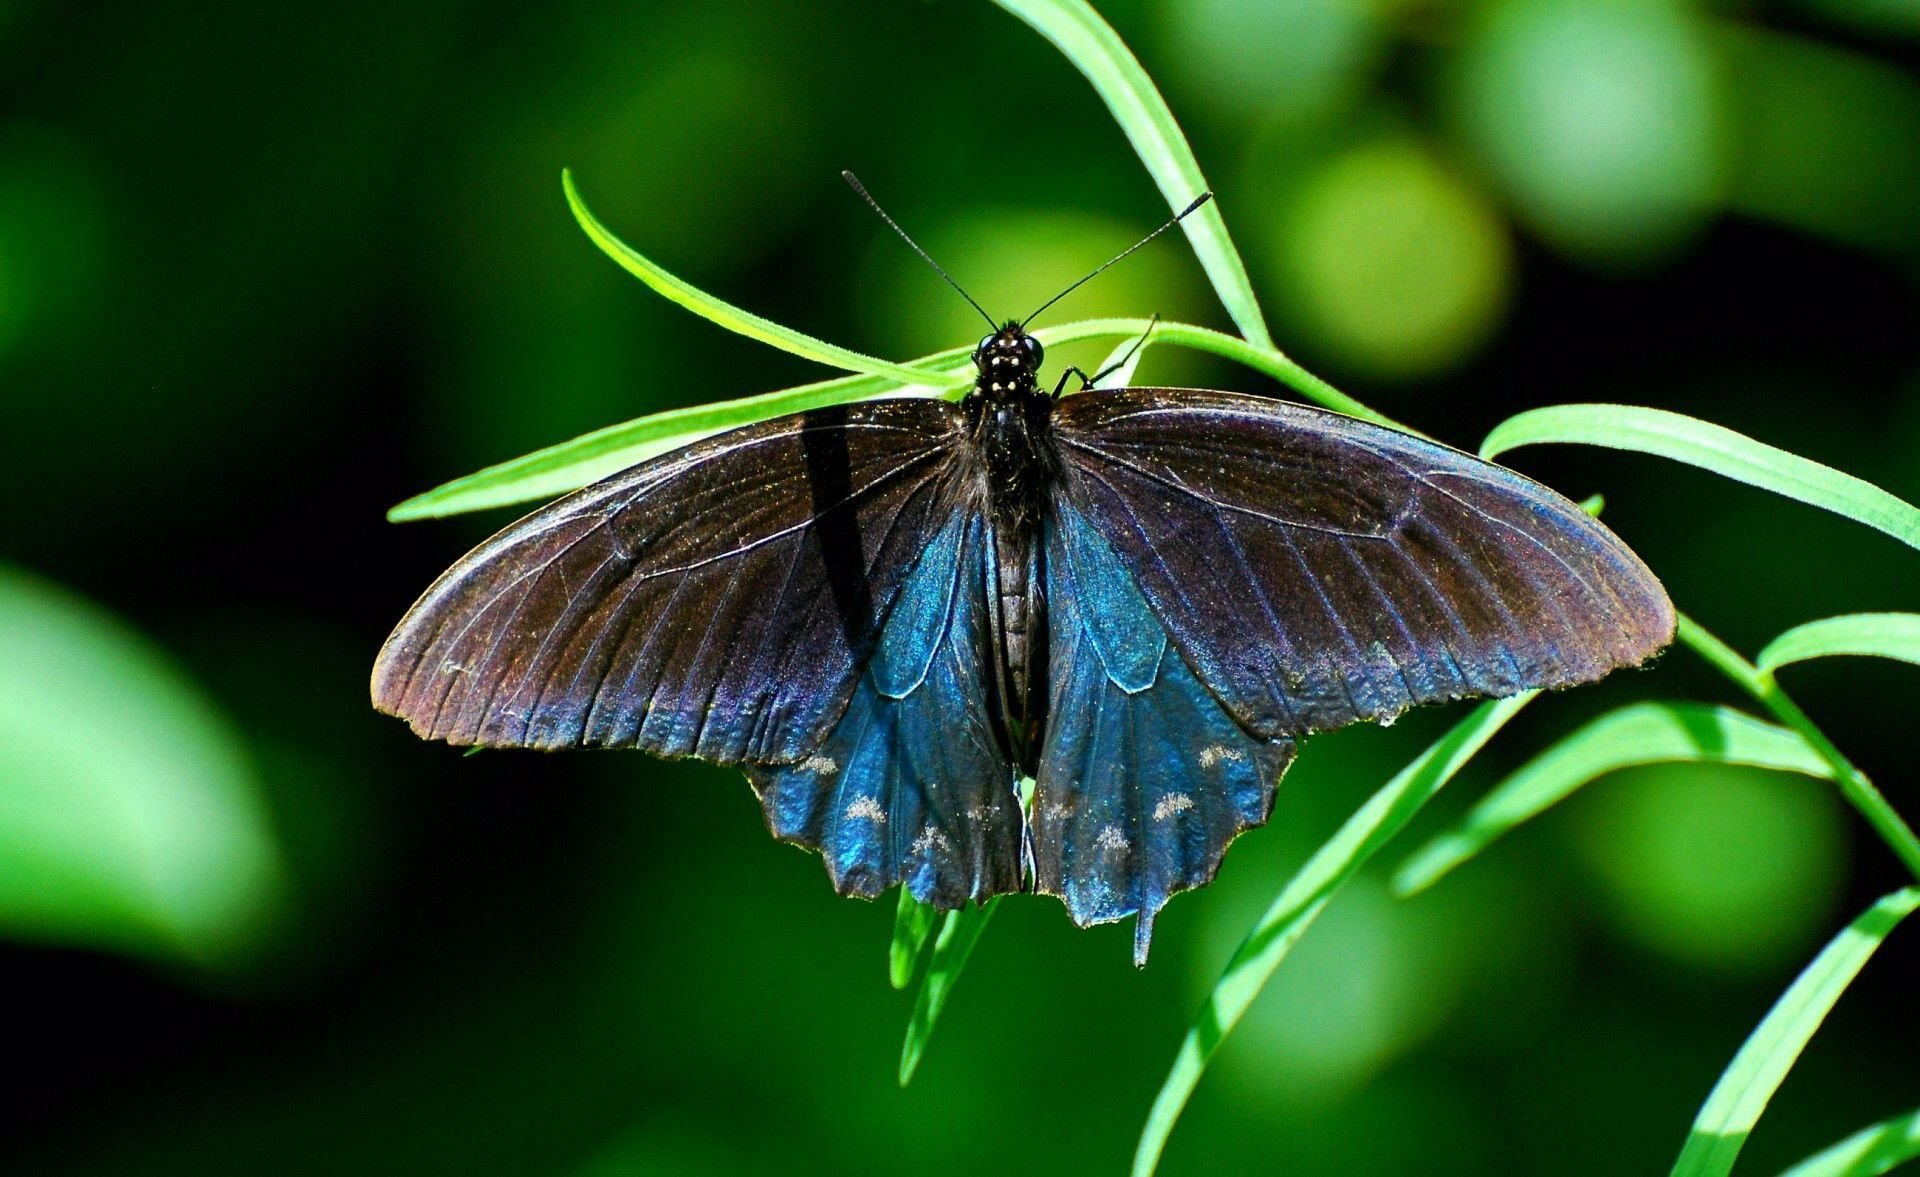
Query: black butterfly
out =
(889, 613)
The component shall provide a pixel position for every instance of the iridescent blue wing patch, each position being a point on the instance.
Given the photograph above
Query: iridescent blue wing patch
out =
(1144, 777)
(911, 786)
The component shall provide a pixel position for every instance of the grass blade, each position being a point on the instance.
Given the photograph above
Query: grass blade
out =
(1853, 784)
(1875, 635)
(724, 313)
(132, 816)
(1123, 361)
(1337, 860)
(1090, 43)
(570, 465)
(1641, 733)
(958, 935)
(1710, 447)
(1874, 1149)
(912, 923)
(1735, 1104)
(1261, 358)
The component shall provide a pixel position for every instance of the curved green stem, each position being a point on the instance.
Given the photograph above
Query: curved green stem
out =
(1270, 360)
(1854, 785)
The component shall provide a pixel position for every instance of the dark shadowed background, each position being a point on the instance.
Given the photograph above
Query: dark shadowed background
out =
(266, 270)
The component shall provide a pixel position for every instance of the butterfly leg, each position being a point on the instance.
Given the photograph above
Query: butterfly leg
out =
(1086, 381)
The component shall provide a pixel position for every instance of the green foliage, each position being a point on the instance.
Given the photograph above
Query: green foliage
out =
(572, 464)
(1090, 43)
(1735, 1104)
(959, 932)
(1854, 785)
(726, 314)
(1874, 635)
(1640, 733)
(1877, 1148)
(1372, 826)
(912, 924)
(129, 815)
(1710, 447)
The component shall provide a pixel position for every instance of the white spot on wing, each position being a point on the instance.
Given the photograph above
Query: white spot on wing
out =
(868, 808)
(824, 766)
(1171, 804)
(1111, 839)
(1213, 754)
(931, 839)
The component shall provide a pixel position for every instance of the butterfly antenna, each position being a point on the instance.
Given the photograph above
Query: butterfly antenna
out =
(1177, 218)
(857, 186)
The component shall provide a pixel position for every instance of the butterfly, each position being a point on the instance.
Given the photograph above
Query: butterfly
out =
(891, 613)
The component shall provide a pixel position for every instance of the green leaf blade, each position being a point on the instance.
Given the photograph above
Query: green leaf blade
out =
(1872, 635)
(1852, 783)
(1638, 734)
(912, 924)
(569, 465)
(1714, 448)
(725, 314)
(1121, 363)
(1747, 1085)
(1305, 895)
(1092, 45)
(1877, 1148)
(951, 948)
(131, 818)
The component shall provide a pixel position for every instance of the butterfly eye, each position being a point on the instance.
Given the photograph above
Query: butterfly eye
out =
(986, 344)
(1034, 350)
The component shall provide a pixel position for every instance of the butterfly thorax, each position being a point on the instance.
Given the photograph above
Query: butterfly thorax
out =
(1010, 423)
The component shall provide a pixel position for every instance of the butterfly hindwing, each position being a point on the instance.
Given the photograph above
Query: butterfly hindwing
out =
(911, 786)
(1316, 570)
(1144, 777)
(717, 601)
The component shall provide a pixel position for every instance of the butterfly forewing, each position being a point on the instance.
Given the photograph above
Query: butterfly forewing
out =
(1314, 570)
(720, 601)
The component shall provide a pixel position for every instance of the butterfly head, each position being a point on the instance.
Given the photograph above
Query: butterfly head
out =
(1009, 362)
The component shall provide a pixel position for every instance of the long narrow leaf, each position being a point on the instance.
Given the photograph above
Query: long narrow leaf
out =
(1710, 447)
(1337, 860)
(1852, 783)
(570, 465)
(1748, 1083)
(1260, 357)
(1876, 1148)
(958, 935)
(1121, 363)
(1641, 733)
(724, 313)
(1091, 44)
(1876, 635)
(912, 924)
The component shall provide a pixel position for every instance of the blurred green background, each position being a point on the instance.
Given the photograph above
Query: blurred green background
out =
(264, 272)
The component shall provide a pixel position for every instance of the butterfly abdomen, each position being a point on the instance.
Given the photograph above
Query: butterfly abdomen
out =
(1020, 639)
